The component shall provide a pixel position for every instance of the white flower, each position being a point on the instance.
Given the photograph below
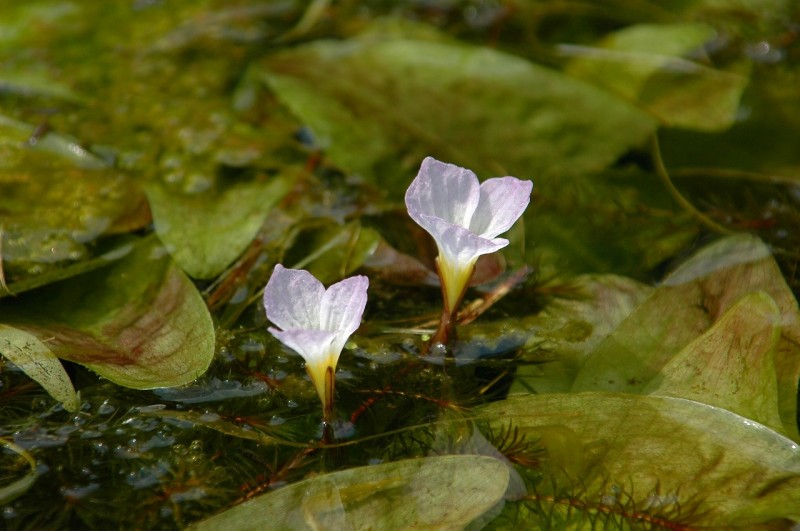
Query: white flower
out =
(464, 217)
(315, 322)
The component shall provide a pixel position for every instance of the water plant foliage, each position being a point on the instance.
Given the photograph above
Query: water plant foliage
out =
(629, 360)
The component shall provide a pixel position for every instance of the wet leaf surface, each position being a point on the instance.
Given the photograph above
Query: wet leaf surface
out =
(206, 231)
(140, 322)
(663, 68)
(671, 460)
(622, 365)
(690, 300)
(372, 97)
(444, 492)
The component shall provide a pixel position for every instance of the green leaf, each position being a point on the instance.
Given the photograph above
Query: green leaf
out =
(33, 358)
(19, 136)
(446, 492)
(652, 459)
(56, 200)
(647, 64)
(627, 224)
(732, 365)
(140, 322)
(378, 104)
(207, 231)
(54, 275)
(571, 326)
(690, 301)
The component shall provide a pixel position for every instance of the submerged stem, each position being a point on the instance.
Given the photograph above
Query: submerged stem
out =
(662, 172)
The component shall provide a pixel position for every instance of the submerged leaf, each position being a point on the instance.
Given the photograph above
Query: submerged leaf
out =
(674, 461)
(139, 322)
(446, 492)
(206, 231)
(572, 325)
(214, 422)
(62, 273)
(620, 222)
(379, 104)
(52, 206)
(37, 361)
(732, 365)
(649, 65)
(685, 306)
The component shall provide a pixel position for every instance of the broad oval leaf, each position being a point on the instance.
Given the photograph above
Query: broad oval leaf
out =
(446, 492)
(676, 462)
(686, 305)
(649, 65)
(140, 322)
(732, 365)
(207, 231)
(379, 104)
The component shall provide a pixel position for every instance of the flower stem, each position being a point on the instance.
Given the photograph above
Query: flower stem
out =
(446, 332)
(447, 329)
(327, 407)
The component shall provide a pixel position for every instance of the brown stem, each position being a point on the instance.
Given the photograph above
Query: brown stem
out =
(447, 329)
(446, 332)
(327, 408)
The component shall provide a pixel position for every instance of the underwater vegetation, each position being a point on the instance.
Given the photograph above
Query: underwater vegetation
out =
(257, 268)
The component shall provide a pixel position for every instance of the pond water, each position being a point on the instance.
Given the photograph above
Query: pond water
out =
(630, 359)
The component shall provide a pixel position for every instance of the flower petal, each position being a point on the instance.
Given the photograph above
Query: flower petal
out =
(459, 245)
(502, 202)
(292, 299)
(342, 307)
(443, 191)
(313, 345)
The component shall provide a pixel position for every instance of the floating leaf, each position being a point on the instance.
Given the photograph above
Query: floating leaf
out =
(379, 104)
(206, 231)
(33, 358)
(688, 302)
(446, 492)
(139, 322)
(663, 460)
(649, 65)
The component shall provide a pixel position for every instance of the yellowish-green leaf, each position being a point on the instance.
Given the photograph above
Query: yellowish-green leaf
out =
(657, 67)
(685, 306)
(676, 462)
(139, 322)
(208, 230)
(33, 358)
(732, 365)
(378, 104)
(446, 492)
